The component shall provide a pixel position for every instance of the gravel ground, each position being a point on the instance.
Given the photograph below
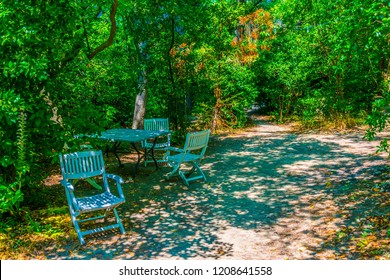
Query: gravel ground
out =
(270, 195)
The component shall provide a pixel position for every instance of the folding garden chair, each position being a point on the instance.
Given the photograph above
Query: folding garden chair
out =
(84, 208)
(192, 153)
(158, 144)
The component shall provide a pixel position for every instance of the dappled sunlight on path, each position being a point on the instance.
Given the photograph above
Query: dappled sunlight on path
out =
(270, 195)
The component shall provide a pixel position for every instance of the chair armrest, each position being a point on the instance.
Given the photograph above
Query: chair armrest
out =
(70, 195)
(174, 149)
(67, 185)
(119, 181)
(116, 178)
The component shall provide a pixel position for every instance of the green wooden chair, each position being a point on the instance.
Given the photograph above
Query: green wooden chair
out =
(191, 154)
(87, 165)
(161, 143)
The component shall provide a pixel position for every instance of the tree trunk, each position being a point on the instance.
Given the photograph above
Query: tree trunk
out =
(216, 111)
(140, 102)
(172, 94)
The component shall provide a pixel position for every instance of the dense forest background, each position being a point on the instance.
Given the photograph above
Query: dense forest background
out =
(70, 67)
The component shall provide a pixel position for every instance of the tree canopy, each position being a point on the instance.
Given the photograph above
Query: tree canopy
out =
(70, 67)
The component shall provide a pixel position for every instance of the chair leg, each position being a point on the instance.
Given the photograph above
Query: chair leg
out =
(183, 176)
(106, 215)
(81, 234)
(156, 158)
(165, 156)
(73, 217)
(119, 222)
(78, 230)
(186, 175)
(170, 174)
(146, 157)
(200, 171)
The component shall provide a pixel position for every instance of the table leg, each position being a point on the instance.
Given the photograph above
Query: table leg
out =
(151, 150)
(140, 156)
(145, 155)
(113, 150)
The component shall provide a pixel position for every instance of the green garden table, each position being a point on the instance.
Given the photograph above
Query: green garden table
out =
(132, 136)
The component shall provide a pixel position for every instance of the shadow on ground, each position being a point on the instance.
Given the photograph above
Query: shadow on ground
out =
(271, 194)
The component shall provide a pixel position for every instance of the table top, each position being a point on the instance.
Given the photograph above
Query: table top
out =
(130, 135)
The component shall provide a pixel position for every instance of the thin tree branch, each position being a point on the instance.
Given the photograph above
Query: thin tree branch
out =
(86, 35)
(110, 40)
(254, 6)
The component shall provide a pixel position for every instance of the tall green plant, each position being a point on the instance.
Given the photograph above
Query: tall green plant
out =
(11, 193)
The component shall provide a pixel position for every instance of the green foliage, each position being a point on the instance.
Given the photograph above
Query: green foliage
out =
(324, 62)
(312, 108)
(238, 92)
(10, 197)
(205, 63)
(34, 48)
(13, 165)
(378, 121)
(10, 104)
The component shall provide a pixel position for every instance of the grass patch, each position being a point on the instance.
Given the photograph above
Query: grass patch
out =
(30, 234)
(366, 233)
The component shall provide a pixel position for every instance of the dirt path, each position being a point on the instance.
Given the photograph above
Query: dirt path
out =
(272, 194)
